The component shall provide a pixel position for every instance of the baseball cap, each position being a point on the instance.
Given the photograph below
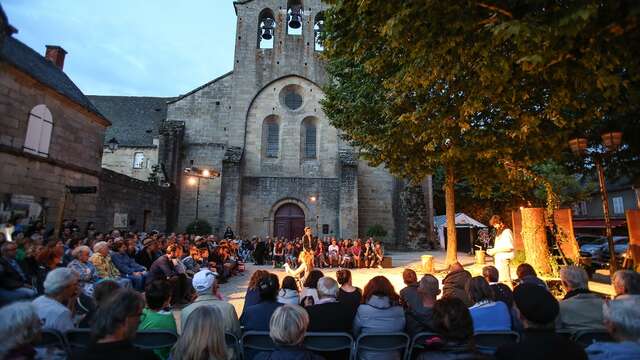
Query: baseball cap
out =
(203, 280)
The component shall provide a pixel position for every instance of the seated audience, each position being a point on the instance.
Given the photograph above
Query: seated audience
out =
(328, 314)
(625, 283)
(454, 283)
(309, 295)
(452, 321)
(87, 308)
(19, 331)
(501, 291)
(87, 273)
(14, 280)
(149, 253)
(528, 275)
(580, 309)
(165, 267)
(348, 294)
(289, 291)
(419, 318)
(257, 317)
(60, 290)
(206, 286)
(287, 328)
(379, 312)
(115, 325)
(487, 314)
(202, 337)
(622, 320)
(154, 316)
(127, 265)
(252, 295)
(537, 310)
(409, 295)
(104, 266)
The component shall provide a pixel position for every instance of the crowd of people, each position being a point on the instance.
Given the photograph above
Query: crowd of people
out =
(118, 283)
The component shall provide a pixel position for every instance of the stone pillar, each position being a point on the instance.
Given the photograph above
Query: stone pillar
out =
(231, 187)
(348, 196)
(427, 191)
(169, 149)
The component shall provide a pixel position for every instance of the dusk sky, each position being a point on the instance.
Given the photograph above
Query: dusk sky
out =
(132, 47)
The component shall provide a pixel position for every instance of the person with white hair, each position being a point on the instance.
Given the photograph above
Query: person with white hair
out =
(626, 283)
(105, 268)
(622, 320)
(19, 329)
(580, 309)
(207, 288)
(60, 291)
(328, 314)
(87, 273)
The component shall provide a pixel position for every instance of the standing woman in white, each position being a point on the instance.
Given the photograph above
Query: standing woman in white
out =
(502, 250)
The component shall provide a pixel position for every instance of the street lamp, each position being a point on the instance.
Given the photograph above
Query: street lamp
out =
(314, 200)
(195, 174)
(611, 141)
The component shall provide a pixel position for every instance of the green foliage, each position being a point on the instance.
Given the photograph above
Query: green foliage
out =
(519, 258)
(481, 87)
(376, 231)
(199, 227)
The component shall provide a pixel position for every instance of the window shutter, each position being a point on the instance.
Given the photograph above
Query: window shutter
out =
(39, 131)
(272, 140)
(32, 140)
(310, 142)
(45, 137)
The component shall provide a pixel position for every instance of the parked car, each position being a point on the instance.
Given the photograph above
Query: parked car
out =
(584, 239)
(594, 248)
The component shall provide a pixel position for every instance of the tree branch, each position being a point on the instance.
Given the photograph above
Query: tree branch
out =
(497, 9)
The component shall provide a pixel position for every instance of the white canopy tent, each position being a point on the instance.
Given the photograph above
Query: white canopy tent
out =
(463, 219)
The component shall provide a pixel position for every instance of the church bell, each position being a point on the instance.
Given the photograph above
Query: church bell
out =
(267, 29)
(295, 17)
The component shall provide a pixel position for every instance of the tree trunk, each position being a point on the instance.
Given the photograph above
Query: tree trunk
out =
(535, 240)
(449, 195)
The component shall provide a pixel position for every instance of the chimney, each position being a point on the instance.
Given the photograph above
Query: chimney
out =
(55, 54)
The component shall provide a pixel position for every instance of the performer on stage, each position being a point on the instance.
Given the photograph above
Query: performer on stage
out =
(309, 244)
(502, 250)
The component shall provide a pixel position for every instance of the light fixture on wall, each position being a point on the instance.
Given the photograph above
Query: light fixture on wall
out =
(113, 144)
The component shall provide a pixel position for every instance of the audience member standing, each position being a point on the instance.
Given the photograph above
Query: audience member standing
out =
(206, 286)
(419, 318)
(537, 310)
(328, 314)
(348, 294)
(622, 320)
(454, 283)
(580, 309)
(115, 326)
(487, 314)
(257, 317)
(61, 290)
(380, 312)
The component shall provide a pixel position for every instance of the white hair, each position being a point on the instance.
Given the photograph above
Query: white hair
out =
(623, 314)
(59, 279)
(100, 245)
(20, 325)
(327, 287)
(79, 250)
(575, 277)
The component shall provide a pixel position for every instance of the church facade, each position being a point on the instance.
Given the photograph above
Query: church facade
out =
(261, 126)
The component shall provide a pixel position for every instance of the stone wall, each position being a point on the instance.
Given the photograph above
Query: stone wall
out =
(375, 200)
(121, 161)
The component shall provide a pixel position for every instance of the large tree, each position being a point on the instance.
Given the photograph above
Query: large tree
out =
(482, 89)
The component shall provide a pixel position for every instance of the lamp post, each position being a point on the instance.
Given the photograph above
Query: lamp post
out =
(611, 141)
(195, 174)
(314, 200)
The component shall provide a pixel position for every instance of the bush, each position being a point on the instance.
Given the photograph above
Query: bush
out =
(199, 227)
(376, 231)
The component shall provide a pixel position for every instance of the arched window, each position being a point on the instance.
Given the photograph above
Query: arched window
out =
(271, 137)
(266, 29)
(39, 131)
(309, 138)
(294, 17)
(318, 28)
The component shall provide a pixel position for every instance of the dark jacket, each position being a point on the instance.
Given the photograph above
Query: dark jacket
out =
(10, 278)
(120, 350)
(145, 259)
(409, 296)
(288, 353)
(452, 351)
(257, 317)
(125, 263)
(418, 320)
(330, 317)
(162, 268)
(541, 344)
(453, 286)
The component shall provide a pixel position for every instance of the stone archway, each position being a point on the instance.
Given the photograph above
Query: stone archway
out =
(288, 221)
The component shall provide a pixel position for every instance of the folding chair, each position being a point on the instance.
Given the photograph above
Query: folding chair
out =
(382, 342)
(588, 337)
(78, 339)
(155, 339)
(417, 343)
(254, 342)
(54, 343)
(488, 342)
(233, 343)
(331, 345)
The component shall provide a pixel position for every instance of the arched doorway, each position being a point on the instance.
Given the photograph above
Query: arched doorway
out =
(289, 221)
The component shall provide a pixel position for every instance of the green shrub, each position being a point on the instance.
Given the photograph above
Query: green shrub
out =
(199, 227)
(376, 231)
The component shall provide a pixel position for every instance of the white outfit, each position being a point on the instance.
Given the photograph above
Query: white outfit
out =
(52, 314)
(503, 253)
